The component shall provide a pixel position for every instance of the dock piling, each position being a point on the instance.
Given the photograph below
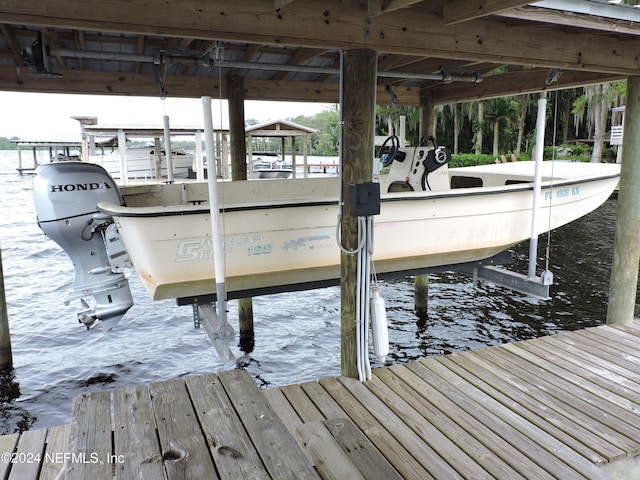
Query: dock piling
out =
(358, 115)
(6, 357)
(626, 249)
(421, 294)
(245, 320)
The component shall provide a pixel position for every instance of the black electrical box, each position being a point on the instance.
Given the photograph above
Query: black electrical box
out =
(364, 199)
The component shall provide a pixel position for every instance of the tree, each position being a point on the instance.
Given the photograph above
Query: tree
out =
(592, 107)
(502, 112)
(525, 102)
(388, 121)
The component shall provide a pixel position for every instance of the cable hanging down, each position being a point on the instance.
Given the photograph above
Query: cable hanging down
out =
(370, 306)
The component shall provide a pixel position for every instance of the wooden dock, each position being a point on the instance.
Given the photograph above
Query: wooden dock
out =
(560, 407)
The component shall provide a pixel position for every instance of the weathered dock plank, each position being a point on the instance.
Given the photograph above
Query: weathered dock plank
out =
(562, 407)
(524, 437)
(280, 453)
(133, 438)
(389, 446)
(608, 424)
(555, 413)
(56, 452)
(228, 441)
(184, 450)
(90, 438)
(29, 455)
(451, 421)
(8, 445)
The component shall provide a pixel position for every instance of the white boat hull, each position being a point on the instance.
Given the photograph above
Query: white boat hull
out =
(288, 238)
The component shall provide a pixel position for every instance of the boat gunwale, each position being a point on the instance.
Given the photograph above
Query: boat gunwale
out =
(180, 210)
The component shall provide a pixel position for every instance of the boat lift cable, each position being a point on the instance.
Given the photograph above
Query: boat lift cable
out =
(547, 253)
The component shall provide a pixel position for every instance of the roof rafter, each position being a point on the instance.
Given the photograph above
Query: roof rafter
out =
(573, 20)
(378, 7)
(457, 11)
(335, 24)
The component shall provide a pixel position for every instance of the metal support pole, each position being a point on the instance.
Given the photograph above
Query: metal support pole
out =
(122, 149)
(167, 149)
(539, 151)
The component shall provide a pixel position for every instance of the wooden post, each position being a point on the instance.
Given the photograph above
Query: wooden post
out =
(421, 294)
(6, 358)
(421, 282)
(358, 116)
(426, 114)
(626, 249)
(245, 316)
(239, 172)
(293, 156)
(237, 128)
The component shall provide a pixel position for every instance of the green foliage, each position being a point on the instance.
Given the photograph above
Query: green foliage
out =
(7, 144)
(470, 160)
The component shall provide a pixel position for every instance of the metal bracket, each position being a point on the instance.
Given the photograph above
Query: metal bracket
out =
(221, 333)
(534, 286)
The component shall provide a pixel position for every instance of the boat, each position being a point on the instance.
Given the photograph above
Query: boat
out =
(270, 165)
(142, 162)
(281, 235)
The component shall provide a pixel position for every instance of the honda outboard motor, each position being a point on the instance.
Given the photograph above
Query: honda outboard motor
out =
(66, 195)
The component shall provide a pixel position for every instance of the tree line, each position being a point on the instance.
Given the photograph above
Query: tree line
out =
(578, 118)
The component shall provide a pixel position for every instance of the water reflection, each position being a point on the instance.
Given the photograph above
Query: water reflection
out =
(461, 317)
(13, 418)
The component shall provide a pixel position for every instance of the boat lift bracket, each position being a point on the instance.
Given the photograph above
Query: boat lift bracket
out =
(220, 333)
(534, 286)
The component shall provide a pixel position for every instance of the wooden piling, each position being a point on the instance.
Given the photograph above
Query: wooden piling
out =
(358, 117)
(6, 358)
(421, 294)
(245, 319)
(235, 87)
(626, 249)
(426, 113)
(421, 282)
(239, 172)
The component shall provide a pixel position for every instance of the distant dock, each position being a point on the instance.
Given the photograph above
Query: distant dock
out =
(558, 407)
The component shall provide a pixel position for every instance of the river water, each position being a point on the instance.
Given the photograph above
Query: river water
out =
(297, 334)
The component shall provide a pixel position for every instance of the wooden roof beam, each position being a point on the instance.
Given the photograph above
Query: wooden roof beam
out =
(457, 11)
(572, 20)
(378, 7)
(334, 24)
(6, 31)
(516, 83)
(300, 56)
(79, 42)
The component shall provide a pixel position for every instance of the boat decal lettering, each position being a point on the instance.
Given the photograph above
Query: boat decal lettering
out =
(260, 249)
(243, 239)
(562, 193)
(75, 187)
(189, 250)
(192, 250)
(304, 241)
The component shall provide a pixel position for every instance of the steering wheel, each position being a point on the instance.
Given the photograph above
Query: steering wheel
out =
(394, 147)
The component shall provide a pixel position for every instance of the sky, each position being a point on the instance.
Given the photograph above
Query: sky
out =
(48, 116)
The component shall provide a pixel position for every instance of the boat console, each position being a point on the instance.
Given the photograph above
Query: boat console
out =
(421, 168)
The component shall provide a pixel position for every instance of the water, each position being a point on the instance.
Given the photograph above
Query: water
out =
(297, 334)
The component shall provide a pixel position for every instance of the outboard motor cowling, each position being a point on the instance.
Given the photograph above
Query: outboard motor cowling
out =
(66, 195)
